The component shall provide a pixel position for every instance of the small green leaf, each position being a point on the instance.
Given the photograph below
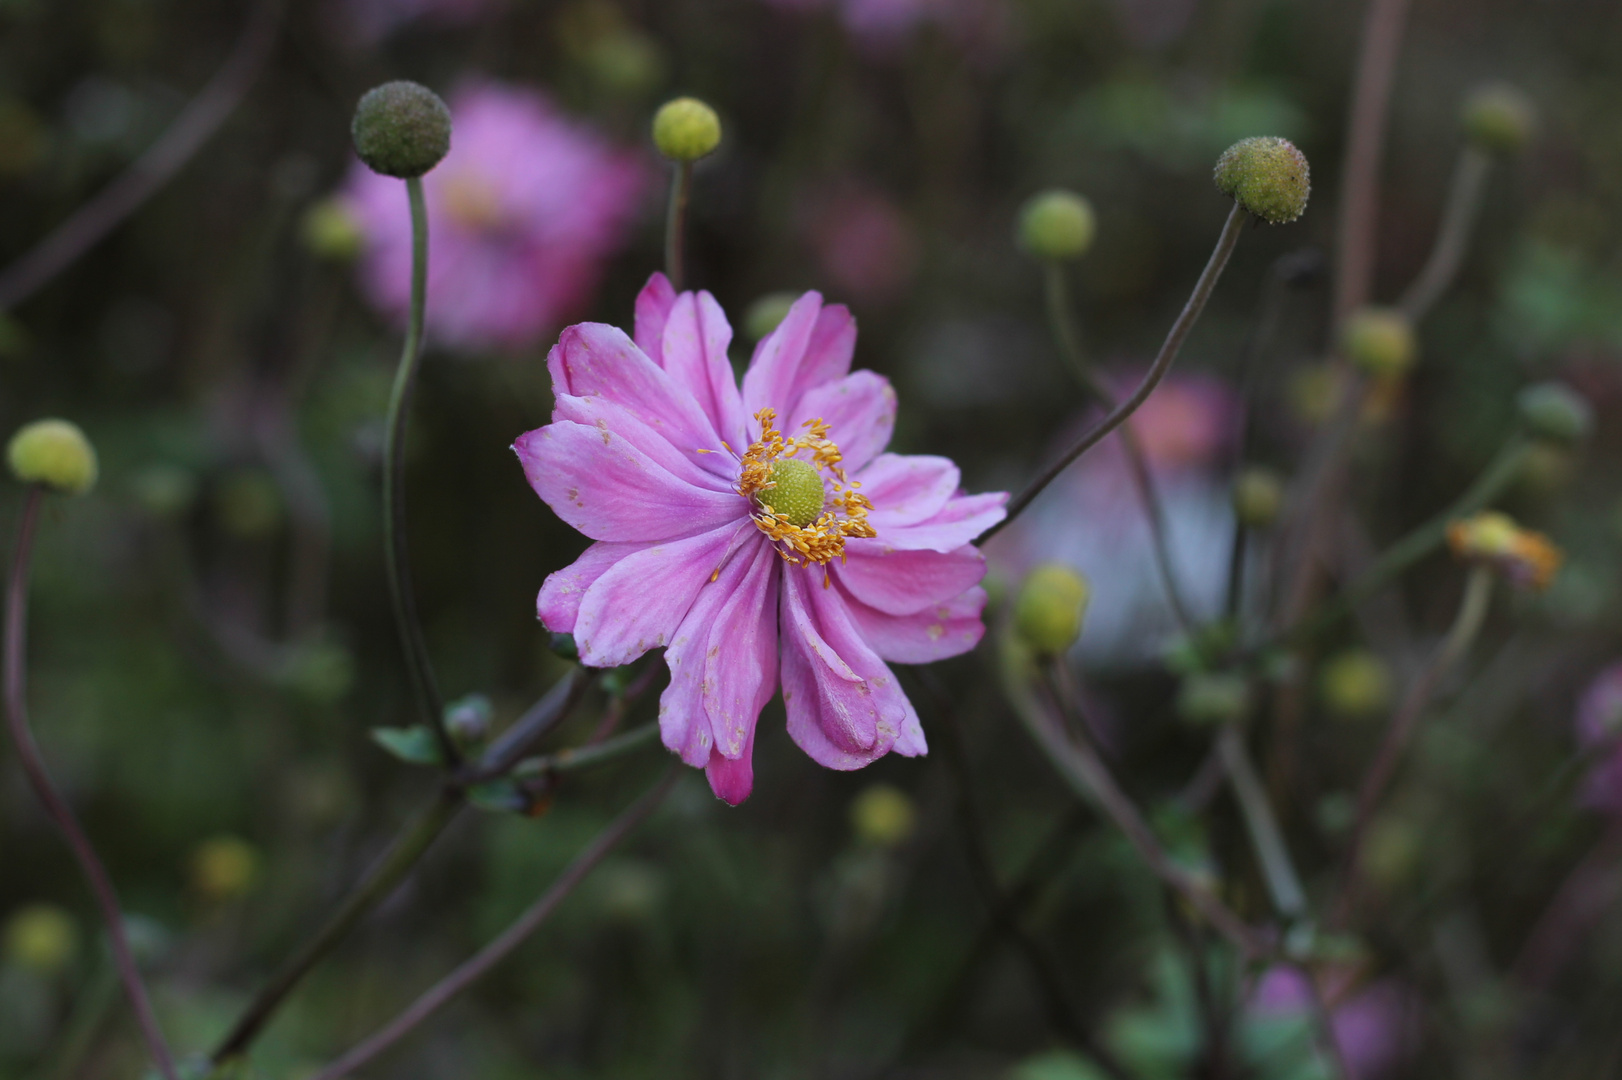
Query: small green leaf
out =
(414, 745)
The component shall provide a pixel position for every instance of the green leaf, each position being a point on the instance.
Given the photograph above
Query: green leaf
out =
(414, 745)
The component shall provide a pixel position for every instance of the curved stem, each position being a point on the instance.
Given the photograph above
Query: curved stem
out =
(1069, 341)
(56, 807)
(1266, 838)
(681, 185)
(190, 130)
(583, 757)
(395, 550)
(515, 935)
(1162, 363)
(1453, 236)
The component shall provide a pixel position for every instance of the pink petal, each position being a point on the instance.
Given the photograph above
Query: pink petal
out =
(831, 350)
(638, 603)
(911, 741)
(594, 360)
(653, 306)
(558, 605)
(813, 345)
(740, 665)
(860, 411)
(906, 489)
(694, 351)
(714, 472)
(904, 582)
(608, 489)
(959, 522)
(947, 629)
(732, 779)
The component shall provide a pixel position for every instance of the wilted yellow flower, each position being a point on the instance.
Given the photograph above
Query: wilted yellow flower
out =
(1525, 557)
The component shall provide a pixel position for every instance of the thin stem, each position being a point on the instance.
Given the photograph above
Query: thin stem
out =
(395, 550)
(191, 129)
(498, 950)
(375, 887)
(1089, 777)
(1459, 217)
(1266, 838)
(1069, 342)
(681, 185)
(1162, 363)
(1324, 1022)
(582, 757)
(56, 807)
(1466, 625)
(537, 722)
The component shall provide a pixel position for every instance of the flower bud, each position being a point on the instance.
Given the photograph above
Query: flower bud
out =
(1555, 412)
(469, 719)
(401, 129)
(1527, 558)
(1498, 118)
(882, 816)
(54, 453)
(1267, 176)
(686, 129)
(1380, 341)
(766, 313)
(1057, 225)
(1356, 684)
(224, 868)
(1049, 610)
(1258, 494)
(330, 231)
(41, 938)
(1208, 698)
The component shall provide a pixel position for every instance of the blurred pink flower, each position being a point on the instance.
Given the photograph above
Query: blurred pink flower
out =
(1374, 1027)
(654, 453)
(882, 25)
(1599, 727)
(863, 242)
(368, 21)
(521, 215)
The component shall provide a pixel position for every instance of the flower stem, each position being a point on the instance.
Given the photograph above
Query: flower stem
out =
(1453, 236)
(1266, 838)
(379, 882)
(395, 550)
(1069, 341)
(56, 807)
(1162, 363)
(681, 184)
(586, 756)
(492, 954)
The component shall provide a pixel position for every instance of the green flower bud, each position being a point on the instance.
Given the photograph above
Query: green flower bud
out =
(41, 938)
(796, 491)
(766, 313)
(1057, 225)
(686, 129)
(1380, 341)
(1258, 495)
(330, 231)
(1356, 684)
(224, 868)
(469, 720)
(401, 129)
(54, 453)
(883, 816)
(1498, 118)
(1213, 697)
(1555, 412)
(1049, 611)
(1267, 176)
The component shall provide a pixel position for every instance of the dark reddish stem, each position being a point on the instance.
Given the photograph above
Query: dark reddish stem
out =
(55, 805)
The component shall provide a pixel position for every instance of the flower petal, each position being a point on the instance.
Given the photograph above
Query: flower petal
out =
(638, 603)
(694, 351)
(732, 779)
(899, 581)
(960, 521)
(860, 411)
(714, 472)
(946, 629)
(653, 306)
(595, 360)
(558, 605)
(740, 664)
(906, 488)
(813, 345)
(608, 489)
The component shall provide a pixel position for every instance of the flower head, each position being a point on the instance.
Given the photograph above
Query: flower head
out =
(54, 453)
(758, 533)
(522, 212)
(1525, 557)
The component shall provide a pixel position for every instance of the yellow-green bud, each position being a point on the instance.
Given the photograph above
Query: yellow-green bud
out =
(882, 816)
(686, 129)
(764, 315)
(1380, 341)
(796, 491)
(401, 129)
(41, 938)
(1499, 118)
(224, 868)
(1356, 684)
(1258, 495)
(330, 231)
(1555, 412)
(1267, 176)
(54, 453)
(1049, 611)
(1213, 697)
(1057, 225)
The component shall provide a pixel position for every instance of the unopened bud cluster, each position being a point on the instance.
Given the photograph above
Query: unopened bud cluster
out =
(1050, 607)
(686, 129)
(1379, 341)
(1057, 225)
(1267, 176)
(401, 129)
(55, 454)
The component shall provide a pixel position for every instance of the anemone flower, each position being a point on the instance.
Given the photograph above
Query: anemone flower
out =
(759, 534)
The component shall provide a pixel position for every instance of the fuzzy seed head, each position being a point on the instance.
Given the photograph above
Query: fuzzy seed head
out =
(1379, 341)
(54, 453)
(1057, 225)
(686, 129)
(401, 129)
(1267, 176)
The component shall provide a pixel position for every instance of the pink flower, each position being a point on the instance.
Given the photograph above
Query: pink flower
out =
(864, 559)
(521, 214)
(862, 241)
(367, 21)
(1374, 1027)
(1599, 725)
(882, 25)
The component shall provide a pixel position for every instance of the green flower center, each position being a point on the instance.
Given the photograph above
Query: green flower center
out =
(795, 491)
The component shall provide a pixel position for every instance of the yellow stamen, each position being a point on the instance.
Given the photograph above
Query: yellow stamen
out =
(823, 540)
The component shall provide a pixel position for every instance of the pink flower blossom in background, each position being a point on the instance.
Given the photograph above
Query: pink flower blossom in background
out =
(522, 213)
(369, 21)
(654, 453)
(1599, 728)
(883, 25)
(862, 240)
(1092, 519)
(1375, 1027)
